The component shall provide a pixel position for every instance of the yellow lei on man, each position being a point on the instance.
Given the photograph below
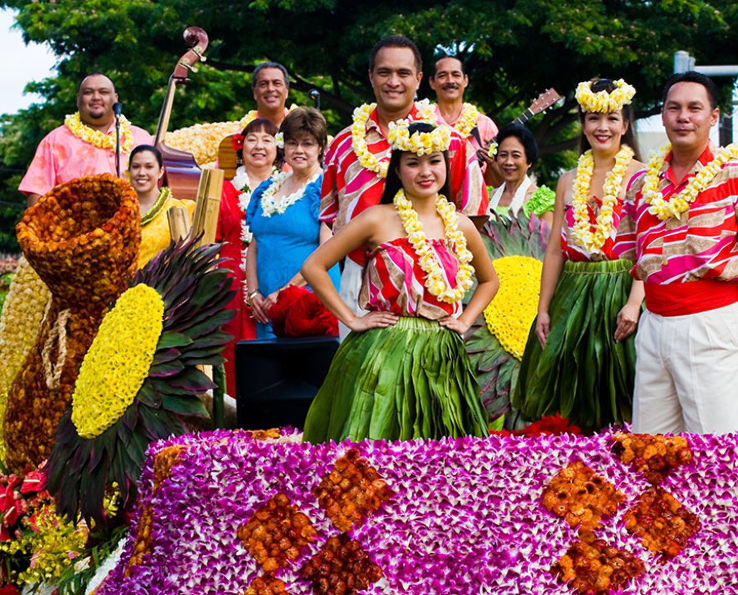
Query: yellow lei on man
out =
(97, 138)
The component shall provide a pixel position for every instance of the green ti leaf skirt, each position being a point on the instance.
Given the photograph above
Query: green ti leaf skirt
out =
(582, 373)
(410, 380)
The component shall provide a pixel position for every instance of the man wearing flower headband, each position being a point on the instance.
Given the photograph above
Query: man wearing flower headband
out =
(357, 159)
(85, 144)
(449, 82)
(680, 227)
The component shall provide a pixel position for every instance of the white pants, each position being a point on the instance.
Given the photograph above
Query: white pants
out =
(686, 372)
(349, 292)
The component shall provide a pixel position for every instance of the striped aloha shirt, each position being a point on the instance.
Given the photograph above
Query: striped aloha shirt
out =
(700, 246)
(348, 188)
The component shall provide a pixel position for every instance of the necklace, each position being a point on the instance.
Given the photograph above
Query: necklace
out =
(164, 195)
(582, 232)
(97, 138)
(358, 135)
(271, 205)
(679, 203)
(434, 279)
(467, 120)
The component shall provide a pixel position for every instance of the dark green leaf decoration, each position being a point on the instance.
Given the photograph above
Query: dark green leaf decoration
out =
(496, 369)
(195, 293)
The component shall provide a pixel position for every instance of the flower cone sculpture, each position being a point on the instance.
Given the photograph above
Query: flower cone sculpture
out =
(82, 239)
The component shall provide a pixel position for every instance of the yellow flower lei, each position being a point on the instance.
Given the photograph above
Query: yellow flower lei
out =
(582, 230)
(602, 101)
(679, 203)
(434, 281)
(97, 138)
(118, 361)
(420, 143)
(248, 118)
(358, 135)
(467, 121)
(513, 309)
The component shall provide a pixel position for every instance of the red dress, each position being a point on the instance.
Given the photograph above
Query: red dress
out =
(243, 326)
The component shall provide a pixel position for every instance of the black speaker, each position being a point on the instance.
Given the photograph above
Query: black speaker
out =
(277, 379)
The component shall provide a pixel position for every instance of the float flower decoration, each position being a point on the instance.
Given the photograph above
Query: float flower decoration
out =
(82, 239)
(166, 325)
(20, 325)
(440, 530)
(679, 203)
(494, 340)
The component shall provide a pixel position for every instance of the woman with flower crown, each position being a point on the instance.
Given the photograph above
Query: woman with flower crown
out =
(256, 153)
(282, 216)
(403, 372)
(580, 358)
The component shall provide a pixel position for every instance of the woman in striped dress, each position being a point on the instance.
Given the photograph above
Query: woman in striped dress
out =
(403, 372)
(580, 357)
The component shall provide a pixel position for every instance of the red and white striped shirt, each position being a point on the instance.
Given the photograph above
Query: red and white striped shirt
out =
(700, 246)
(348, 188)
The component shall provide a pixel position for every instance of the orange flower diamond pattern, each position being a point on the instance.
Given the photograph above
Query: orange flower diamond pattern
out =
(278, 533)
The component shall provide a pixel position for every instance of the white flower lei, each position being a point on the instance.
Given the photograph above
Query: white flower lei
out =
(679, 203)
(242, 183)
(270, 205)
(426, 113)
(582, 230)
(99, 139)
(434, 280)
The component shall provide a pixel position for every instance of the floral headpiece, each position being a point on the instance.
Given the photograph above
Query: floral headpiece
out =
(279, 140)
(421, 143)
(237, 141)
(602, 101)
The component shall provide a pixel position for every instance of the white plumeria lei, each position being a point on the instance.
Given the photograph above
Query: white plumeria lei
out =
(582, 232)
(434, 279)
(270, 205)
(679, 203)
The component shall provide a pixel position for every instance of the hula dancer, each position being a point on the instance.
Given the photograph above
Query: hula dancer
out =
(403, 372)
(580, 358)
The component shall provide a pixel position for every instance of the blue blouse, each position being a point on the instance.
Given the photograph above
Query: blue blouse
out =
(284, 241)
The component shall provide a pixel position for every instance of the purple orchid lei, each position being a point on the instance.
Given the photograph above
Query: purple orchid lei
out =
(464, 515)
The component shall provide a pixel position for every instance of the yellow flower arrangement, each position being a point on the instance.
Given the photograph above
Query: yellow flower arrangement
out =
(20, 325)
(582, 232)
(202, 140)
(602, 101)
(467, 121)
(118, 360)
(100, 139)
(421, 143)
(358, 135)
(54, 545)
(512, 311)
(434, 280)
(679, 203)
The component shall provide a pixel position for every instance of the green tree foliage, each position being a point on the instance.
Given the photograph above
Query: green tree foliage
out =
(514, 49)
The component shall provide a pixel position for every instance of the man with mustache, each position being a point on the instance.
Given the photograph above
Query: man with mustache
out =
(679, 225)
(449, 81)
(357, 159)
(85, 144)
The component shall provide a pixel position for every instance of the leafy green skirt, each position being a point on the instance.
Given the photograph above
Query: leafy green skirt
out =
(582, 373)
(410, 380)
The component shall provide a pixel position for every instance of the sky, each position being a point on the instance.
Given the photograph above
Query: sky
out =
(21, 65)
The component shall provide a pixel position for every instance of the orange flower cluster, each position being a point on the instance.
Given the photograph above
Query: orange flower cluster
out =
(82, 239)
(351, 492)
(270, 434)
(662, 523)
(596, 567)
(267, 585)
(341, 568)
(276, 533)
(581, 497)
(165, 460)
(653, 456)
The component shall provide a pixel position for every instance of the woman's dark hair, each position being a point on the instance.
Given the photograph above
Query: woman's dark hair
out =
(629, 138)
(305, 120)
(393, 183)
(141, 149)
(526, 138)
(257, 125)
